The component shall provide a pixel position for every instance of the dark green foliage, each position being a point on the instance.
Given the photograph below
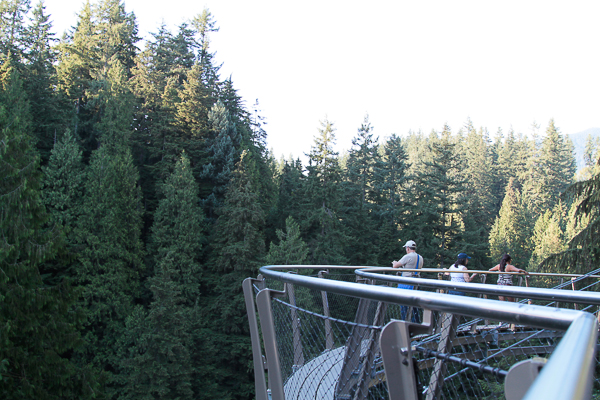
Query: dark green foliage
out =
(108, 231)
(135, 143)
(37, 329)
(437, 203)
(159, 361)
(391, 211)
(511, 230)
(64, 179)
(104, 36)
(322, 196)
(223, 150)
(291, 249)
(478, 196)
(357, 204)
(583, 249)
(238, 251)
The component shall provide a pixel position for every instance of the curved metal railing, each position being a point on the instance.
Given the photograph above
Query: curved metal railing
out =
(382, 351)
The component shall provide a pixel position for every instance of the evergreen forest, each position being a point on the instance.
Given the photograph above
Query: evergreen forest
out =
(137, 192)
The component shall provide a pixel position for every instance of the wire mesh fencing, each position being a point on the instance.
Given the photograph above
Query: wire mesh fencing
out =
(328, 345)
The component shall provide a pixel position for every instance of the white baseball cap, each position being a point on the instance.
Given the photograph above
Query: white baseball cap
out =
(410, 243)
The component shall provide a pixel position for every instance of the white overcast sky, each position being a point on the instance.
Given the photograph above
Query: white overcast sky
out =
(410, 65)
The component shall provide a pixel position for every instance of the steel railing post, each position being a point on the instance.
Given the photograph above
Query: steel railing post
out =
(395, 345)
(267, 324)
(328, 332)
(257, 358)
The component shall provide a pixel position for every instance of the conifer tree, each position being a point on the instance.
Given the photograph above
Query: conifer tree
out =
(390, 181)
(109, 231)
(548, 237)
(158, 77)
(13, 29)
(291, 249)
(64, 180)
(510, 232)
(558, 165)
(104, 32)
(223, 151)
(238, 251)
(583, 248)
(289, 196)
(437, 202)
(63, 197)
(204, 24)
(38, 328)
(322, 196)
(358, 199)
(178, 230)
(551, 170)
(47, 109)
(191, 120)
(160, 358)
(478, 197)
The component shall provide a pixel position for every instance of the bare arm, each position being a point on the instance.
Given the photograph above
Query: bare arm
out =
(467, 278)
(512, 268)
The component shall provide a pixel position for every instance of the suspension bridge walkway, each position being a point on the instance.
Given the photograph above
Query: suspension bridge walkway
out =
(348, 333)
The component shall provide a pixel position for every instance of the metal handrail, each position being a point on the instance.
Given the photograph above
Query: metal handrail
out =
(578, 344)
(428, 270)
(536, 316)
(480, 272)
(579, 297)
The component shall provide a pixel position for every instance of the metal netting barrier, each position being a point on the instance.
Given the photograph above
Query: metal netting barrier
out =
(325, 337)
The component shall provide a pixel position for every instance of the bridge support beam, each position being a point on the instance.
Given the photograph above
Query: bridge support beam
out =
(449, 323)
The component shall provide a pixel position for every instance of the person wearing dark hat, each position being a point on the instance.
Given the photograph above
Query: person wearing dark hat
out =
(460, 265)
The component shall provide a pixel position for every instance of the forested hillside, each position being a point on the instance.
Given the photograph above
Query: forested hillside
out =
(137, 193)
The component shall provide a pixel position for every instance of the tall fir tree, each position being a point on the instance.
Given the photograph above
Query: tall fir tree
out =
(63, 182)
(62, 195)
(437, 202)
(108, 232)
(47, 108)
(478, 196)
(511, 230)
(583, 248)
(391, 211)
(548, 237)
(322, 197)
(238, 250)
(291, 249)
(104, 32)
(38, 324)
(161, 362)
(290, 183)
(362, 245)
(223, 151)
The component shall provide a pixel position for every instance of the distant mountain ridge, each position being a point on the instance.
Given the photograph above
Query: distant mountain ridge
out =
(578, 140)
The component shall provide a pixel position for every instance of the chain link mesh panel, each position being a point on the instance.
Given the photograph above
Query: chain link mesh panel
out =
(329, 345)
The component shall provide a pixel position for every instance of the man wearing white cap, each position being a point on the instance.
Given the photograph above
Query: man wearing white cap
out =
(410, 261)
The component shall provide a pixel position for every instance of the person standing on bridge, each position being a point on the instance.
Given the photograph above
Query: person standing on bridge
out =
(506, 279)
(411, 260)
(460, 265)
